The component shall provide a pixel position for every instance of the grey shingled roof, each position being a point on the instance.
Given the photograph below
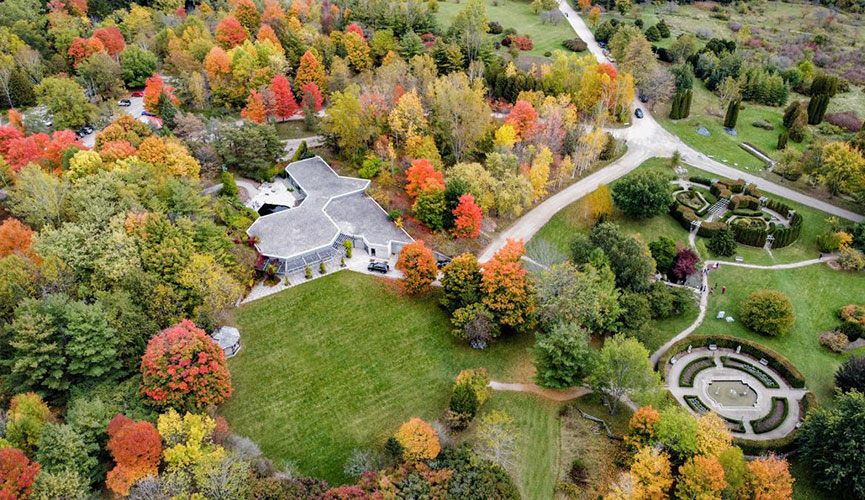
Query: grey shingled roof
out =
(332, 204)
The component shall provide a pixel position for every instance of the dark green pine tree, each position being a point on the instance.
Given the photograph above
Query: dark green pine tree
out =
(732, 115)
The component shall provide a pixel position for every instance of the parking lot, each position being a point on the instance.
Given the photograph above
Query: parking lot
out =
(134, 110)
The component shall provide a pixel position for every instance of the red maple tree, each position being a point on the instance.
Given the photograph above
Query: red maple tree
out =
(136, 448)
(420, 175)
(467, 218)
(154, 87)
(229, 32)
(184, 368)
(418, 266)
(523, 118)
(17, 474)
(111, 38)
(283, 99)
(311, 95)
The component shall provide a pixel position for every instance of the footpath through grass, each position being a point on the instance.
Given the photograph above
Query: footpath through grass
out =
(339, 363)
(816, 292)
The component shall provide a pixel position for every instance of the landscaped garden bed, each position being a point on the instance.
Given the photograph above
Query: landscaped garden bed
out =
(689, 373)
(750, 369)
(775, 417)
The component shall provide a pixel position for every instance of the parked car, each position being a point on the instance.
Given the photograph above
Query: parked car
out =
(442, 263)
(379, 267)
(81, 133)
(88, 129)
(145, 113)
(138, 94)
(643, 98)
(124, 103)
(602, 44)
(638, 113)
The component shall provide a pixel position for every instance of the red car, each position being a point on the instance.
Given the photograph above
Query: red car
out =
(138, 94)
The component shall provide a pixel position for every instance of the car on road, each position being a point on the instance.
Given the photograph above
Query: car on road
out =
(643, 98)
(602, 45)
(124, 103)
(442, 263)
(81, 133)
(138, 94)
(145, 113)
(88, 129)
(379, 267)
(638, 113)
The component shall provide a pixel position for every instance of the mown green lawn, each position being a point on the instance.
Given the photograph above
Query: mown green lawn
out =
(537, 422)
(816, 292)
(340, 362)
(516, 14)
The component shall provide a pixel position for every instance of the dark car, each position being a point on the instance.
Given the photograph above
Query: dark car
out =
(442, 263)
(638, 113)
(124, 103)
(643, 98)
(145, 113)
(81, 133)
(88, 129)
(379, 267)
(138, 94)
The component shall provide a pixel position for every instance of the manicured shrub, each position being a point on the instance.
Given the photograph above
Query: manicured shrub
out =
(782, 141)
(308, 273)
(846, 121)
(575, 45)
(463, 407)
(852, 318)
(642, 194)
(652, 34)
(494, 27)
(732, 115)
(418, 441)
(321, 268)
(723, 243)
(768, 312)
(349, 246)
(184, 368)
(479, 380)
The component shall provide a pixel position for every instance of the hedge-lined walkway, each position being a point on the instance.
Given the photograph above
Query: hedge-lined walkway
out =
(704, 296)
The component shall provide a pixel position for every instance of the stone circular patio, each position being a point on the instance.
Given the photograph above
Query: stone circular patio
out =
(755, 400)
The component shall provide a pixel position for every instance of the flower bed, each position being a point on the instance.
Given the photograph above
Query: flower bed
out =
(696, 404)
(686, 378)
(750, 369)
(692, 200)
(775, 417)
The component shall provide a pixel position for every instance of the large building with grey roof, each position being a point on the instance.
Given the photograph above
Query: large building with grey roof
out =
(328, 209)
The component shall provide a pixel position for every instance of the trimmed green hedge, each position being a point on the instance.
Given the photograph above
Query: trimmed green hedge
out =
(686, 379)
(744, 202)
(707, 229)
(721, 190)
(700, 180)
(786, 443)
(776, 362)
(750, 369)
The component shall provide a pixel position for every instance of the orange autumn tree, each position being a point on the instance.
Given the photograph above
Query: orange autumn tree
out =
(467, 218)
(112, 39)
(418, 440)
(769, 479)
(254, 110)
(641, 427)
(421, 175)
(273, 13)
(153, 88)
(136, 448)
(15, 238)
(17, 474)
(418, 266)
(524, 119)
(267, 33)
(309, 71)
(506, 290)
(230, 33)
(701, 477)
(283, 100)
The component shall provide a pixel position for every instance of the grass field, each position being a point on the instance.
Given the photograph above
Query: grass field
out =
(515, 14)
(339, 363)
(293, 129)
(816, 293)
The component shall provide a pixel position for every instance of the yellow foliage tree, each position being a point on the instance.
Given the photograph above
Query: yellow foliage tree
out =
(188, 439)
(418, 440)
(712, 435)
(407, 118)
(588, 148)
(84, 163)
(600, 203)
(539, 174)
(701, 478)
(357, 52)
(505, 137)
(652, 474)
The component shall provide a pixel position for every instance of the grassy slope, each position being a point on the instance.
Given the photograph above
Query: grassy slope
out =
(518, 15)
(816, 293)
(340, 362)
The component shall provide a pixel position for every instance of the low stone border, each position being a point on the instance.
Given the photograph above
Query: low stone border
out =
(771, 421)
(752, 370)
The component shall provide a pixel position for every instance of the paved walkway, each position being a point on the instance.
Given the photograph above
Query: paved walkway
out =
(704, 296)
(761, 407)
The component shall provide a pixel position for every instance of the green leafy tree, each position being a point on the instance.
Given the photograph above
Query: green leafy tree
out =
(664, 252)
(630, 259)
(587, 298)
(250, 148)
(65, 485)
(66, 102)
(768, 312)
(563, 356)
(677, 431)
(643, 194)
(430, 207)
(62, 448)
(830, 442)
(623, 370)
(100, 75)
(137, 65)
(723, 243)
(461, 282)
